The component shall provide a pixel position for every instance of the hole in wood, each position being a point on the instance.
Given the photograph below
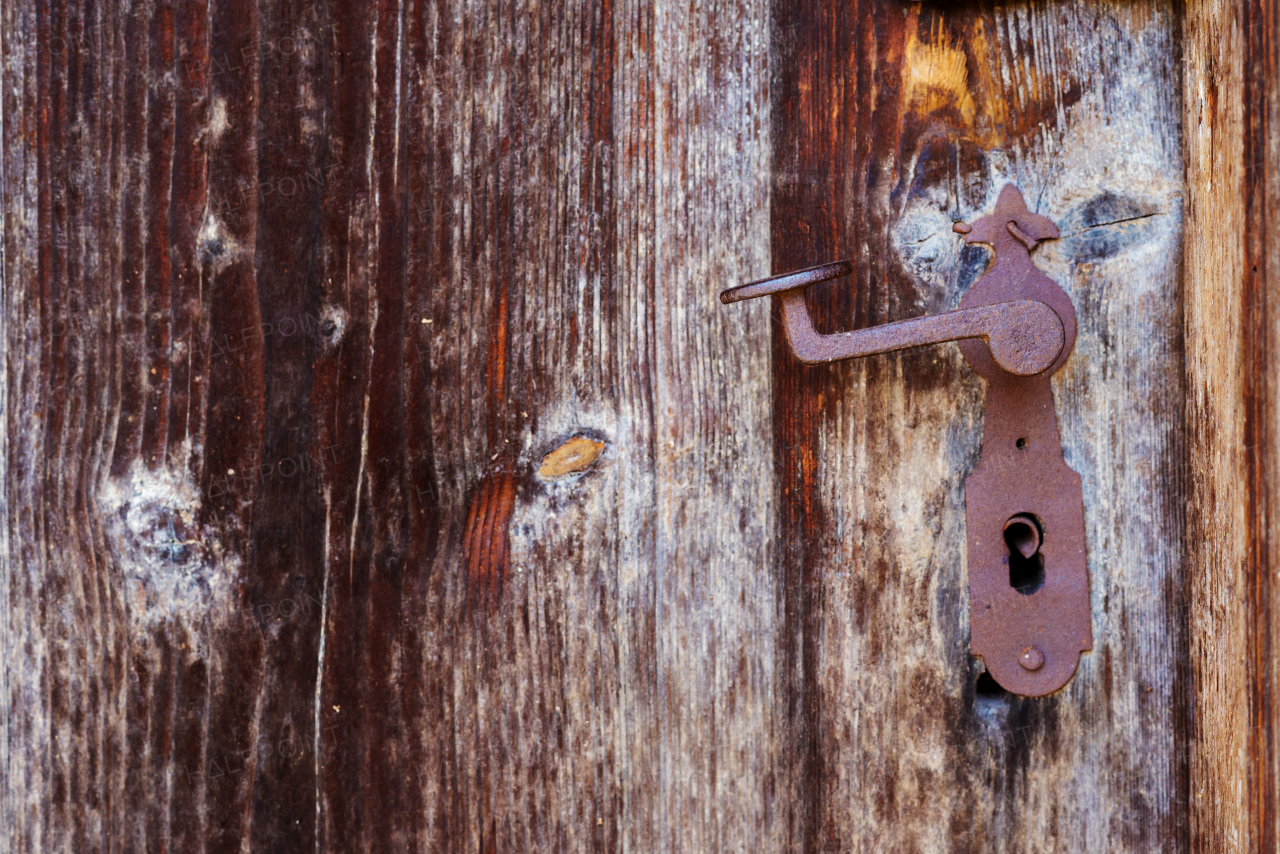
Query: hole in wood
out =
(987, 688)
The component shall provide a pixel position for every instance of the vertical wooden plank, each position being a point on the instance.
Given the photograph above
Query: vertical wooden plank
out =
(136, 685)
(1216, 377)
(289, 56)
(1262, 397)
(23, 702)
(889, 120)
(357, 409)
(524, 338)
(598, 632)
(715, 497)
(1231, 106)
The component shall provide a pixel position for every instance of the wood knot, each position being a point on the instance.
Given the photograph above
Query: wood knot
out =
(574, 456)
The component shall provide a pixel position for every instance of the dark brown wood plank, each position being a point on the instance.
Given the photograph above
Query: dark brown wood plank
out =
(888, 119)
(1262, 396)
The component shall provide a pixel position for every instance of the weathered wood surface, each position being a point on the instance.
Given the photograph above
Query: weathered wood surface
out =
(887, 120)
(298, 298)
(1231, 95)
(382, 474)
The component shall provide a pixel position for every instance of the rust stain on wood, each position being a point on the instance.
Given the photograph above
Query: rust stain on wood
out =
(574, 456)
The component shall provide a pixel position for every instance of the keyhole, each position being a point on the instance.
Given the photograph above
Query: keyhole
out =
(1022, 534)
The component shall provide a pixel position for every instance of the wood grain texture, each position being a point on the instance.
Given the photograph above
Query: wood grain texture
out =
(298, 297)
(888, 119)
(1215, 319)
(1231, 114)
(1262, 396)
(609, 173)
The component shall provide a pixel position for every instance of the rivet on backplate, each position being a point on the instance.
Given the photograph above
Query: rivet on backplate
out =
(1031, 659)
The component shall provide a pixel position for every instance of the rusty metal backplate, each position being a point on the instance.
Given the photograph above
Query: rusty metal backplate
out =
(1029, 617)
(1022, 472)
(1028, 572)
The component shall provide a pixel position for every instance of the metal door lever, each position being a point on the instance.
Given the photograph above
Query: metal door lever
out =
(1029, 614)
(1024, 336)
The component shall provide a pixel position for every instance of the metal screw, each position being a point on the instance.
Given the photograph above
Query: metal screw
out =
(1031, 659)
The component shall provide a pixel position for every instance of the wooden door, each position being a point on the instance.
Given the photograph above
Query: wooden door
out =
(383, 474)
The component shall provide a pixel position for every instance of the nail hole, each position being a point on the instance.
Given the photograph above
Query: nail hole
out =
(1021, 443)
(1026, 574)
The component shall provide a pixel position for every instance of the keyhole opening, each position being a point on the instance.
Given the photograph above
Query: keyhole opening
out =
(1023, 535)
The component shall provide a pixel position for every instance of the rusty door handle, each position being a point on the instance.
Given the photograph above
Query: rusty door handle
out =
(1024, 336)
(1029, 610)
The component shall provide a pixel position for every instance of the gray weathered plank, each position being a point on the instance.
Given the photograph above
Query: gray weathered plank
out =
(613, 694)
(897, 748)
